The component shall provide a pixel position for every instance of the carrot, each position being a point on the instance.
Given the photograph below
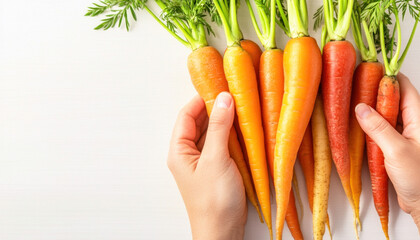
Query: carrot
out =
(292, 218)
(206, 70)
(271, 88)
(254, 51)
(302, 65)
(322, 169)
(306, 160)
(271, 95)
(366, 80)
(205, 63)
(388, 106)
(242, 81)
(243, 86)
(387, 103)
(339, 60)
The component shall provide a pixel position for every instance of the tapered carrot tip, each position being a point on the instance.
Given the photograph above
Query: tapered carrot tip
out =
(271, 233)
(359, 223)
(355, 228)
(384, 223)
(328, 226)
(259, 213)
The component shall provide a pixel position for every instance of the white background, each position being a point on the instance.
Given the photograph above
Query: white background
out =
(85, 121)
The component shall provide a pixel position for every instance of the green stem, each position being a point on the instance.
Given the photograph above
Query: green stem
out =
(225, 22)
(267, 37)
(285, 25)
(400, 62)
(329, 20)
(177, 37)
(297, 17)
(304, 13)
(264, 20)
(393, 65)
(324, 38)
(272, 33)
(392, 39)
(343, 24)
(372, 56)
(236, 31)
(225, 9)
(383, 48)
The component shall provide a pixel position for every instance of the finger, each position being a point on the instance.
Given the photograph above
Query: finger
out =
(200, 143)
(182, 149)
(201, 125)
(220, 123)
(378, 128)
(185, 127)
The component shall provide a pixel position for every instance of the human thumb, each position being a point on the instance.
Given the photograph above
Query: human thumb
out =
(220, 123)
(379, 129)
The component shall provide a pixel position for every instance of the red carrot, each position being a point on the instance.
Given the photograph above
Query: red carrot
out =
(387, 105)
(339, 60)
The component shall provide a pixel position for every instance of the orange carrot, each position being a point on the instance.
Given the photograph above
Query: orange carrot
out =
(302, 72)
(271, 95)
(306, 160)
(271, 88)
(292, 218)
(388, 106)
(243, 86)
(254, 51)
(242, 81)
(366, 82)
(206, 70)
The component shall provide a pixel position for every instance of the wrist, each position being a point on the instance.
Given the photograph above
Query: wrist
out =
(221, 229)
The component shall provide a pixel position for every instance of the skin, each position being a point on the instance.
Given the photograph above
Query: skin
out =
(401, 151)
(207, 177)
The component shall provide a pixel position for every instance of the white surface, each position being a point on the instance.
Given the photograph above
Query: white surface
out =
(85, 121)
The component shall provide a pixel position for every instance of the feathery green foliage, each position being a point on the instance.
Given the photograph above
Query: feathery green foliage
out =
(183, 19)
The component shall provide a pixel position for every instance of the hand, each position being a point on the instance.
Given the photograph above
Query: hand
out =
(401, 151)
(208, 179)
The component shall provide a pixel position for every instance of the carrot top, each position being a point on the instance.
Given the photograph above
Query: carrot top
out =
(368, 53)
(337, 15)
(380, 12)
(295, 23)
(267, 12)
(227, 15)
(184, 20)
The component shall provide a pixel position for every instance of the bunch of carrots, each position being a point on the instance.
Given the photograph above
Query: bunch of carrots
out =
(293, 103)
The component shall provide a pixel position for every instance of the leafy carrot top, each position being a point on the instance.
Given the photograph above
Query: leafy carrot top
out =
(184, 20)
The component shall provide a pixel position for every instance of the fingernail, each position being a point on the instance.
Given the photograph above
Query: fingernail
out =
(224, 100)
(363, 110)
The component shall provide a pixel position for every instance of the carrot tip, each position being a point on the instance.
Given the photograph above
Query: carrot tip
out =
(356, 229)
(329, 228)
(271, 233)
(259, 214)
